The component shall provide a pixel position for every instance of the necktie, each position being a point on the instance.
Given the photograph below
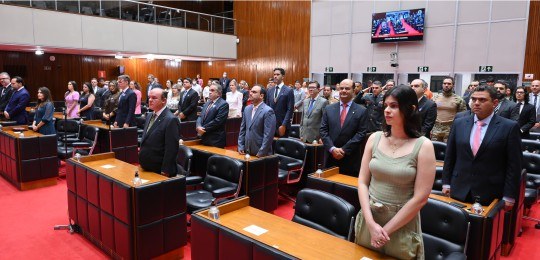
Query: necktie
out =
(277, 91)
(477, 138)
(311, 105)
(343, 114)
(208, 109)
(184, 96)
(520, 106)
(152, 120)
(535, 97)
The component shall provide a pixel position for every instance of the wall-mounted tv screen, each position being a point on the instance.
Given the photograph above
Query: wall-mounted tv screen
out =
(396, 26)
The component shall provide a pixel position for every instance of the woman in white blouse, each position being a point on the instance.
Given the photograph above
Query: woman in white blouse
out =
(173, 99)
(234, 98)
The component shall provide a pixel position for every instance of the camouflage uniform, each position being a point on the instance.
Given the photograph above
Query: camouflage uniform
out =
(447, 108)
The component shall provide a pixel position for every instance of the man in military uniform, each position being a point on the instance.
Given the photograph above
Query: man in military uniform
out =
(374, 105)
(448, 105)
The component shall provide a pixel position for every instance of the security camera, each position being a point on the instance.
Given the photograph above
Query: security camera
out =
(394, 64)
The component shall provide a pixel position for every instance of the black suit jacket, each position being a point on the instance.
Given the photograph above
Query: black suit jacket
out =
(349, 138)
(213, 123)
(525, 120)
(4, 98)
(505, 110)
(283, 107)
(189, 106)
(159, 145)
(428, 112)
(125, 114)
(99, 101)
(495, 170)
(224, 82)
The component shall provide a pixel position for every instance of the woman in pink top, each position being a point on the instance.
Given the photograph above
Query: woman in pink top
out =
(72, 100)
(134, 85)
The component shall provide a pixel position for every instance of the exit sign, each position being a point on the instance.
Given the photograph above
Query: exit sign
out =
(423, 69)
(485, 69)
(371, 69)
(329, 69)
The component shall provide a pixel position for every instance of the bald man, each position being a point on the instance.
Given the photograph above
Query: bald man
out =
(534, 99)
(159, 145)
(343, 130)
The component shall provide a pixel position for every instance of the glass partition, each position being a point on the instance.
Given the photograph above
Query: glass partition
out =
(139, 12)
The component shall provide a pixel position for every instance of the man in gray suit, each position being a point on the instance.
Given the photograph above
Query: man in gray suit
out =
(258, 125)
(313, 109)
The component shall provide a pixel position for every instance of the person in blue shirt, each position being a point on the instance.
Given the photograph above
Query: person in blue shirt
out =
(43, 120)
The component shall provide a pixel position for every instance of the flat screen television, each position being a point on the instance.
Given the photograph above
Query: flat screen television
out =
(397, 26)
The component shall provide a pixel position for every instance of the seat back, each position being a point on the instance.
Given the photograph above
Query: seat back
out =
(531, 165)
(68, 126)
(223, 172)
(90, 135)
(325, 212)
(292, 148)
(440, 150)
(185, 154)
(445, 229)
(295, 131)
(531, 146)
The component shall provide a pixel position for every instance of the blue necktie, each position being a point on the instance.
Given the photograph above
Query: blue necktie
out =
(311, 105)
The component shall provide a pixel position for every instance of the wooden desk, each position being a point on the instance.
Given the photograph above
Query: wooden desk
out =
(439, 163)
(333, 182)
(30, 161)
(122, 141)
(283, 236)
(126, 221)
(260, 180)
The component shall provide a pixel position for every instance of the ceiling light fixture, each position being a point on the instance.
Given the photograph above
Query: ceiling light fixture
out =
(118, 56)
(39, 52)
(150, 57)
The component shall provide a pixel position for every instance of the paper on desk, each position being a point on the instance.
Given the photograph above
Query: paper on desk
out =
(365, 258)
(107, 166)
(143, 181)
(255, 230)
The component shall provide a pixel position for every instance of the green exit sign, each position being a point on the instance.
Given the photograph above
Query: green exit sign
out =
(329, 69)
(423, 69)
(371, 69)
(485, 69)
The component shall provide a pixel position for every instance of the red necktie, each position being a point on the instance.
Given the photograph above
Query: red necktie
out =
(343, 114)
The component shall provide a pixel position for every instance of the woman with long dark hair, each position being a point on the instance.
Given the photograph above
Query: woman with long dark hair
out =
(72, 100)
(395, 180)
(111, 103)
(43, 120)
(86, 102)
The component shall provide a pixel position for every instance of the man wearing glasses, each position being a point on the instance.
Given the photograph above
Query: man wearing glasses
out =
(523, 112)
(5, 91)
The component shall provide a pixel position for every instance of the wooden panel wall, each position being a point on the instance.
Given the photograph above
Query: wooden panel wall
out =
(82, 68)
(272, 34)
(532, 51)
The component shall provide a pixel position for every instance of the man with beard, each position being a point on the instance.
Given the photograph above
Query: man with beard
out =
(505, 106)
(448, 105)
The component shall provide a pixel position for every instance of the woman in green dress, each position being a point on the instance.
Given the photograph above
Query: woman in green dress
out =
(395, 180)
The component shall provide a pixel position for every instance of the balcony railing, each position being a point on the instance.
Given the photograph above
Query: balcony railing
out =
(138, 12)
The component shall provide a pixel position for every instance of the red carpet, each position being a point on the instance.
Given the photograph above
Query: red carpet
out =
(28, 218)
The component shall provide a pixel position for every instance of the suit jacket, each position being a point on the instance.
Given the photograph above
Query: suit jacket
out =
(16, 106)
(374, 107)
(125, 114)
(256, 135)
(428, 112)
(505, 109)
(463, 114)
(224, 82)
(349, 137)
(310, 124)
(525, 119)
(4, 98)
(189, 104)
(159, 144)
(214, 122)
(495, 170)
(283, 106)
(537, 108)
(99, 102)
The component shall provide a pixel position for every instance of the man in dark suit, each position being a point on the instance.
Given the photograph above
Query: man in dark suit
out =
(224, 82)
(426, 108)
(343, 129)
(281, 99)
(5, 91)
(258, 125)
(125, 114)
(211, 122)
(187, 105)
(98, 92)
(373, 102)
(523, 113)
(159, 144)
(505, 106)
(16, 107)
(152, 84)
(483, 156)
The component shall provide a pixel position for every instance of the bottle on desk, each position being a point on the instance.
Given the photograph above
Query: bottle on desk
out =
(476, 207)
(319, 170)
(137, 180)
(213, 213)
(78, 157)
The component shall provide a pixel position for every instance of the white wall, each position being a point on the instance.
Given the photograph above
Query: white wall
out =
(459, 37)
(35, 27)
